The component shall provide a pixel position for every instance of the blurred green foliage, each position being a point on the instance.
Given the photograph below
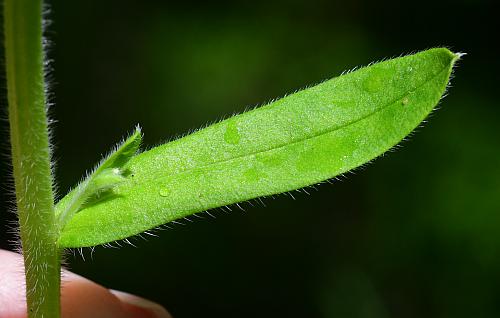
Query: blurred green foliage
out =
(413, 235)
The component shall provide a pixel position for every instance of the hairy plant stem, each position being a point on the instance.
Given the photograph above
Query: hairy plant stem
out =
(31, 155)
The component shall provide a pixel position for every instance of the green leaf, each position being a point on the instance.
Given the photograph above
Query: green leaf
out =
(99, 184)
(300, 140)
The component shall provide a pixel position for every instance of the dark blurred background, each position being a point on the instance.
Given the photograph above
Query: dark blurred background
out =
(416, 234)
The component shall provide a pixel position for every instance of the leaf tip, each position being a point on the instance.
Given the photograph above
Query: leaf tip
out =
(138, 131)
(458, 56)
(453, 57)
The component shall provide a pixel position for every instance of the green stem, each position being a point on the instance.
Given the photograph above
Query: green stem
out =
(31, 155)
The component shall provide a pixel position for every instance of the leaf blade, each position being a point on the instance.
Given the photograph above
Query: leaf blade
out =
(302, 139)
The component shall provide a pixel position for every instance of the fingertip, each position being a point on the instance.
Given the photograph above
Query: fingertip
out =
(12, 295)
(82, 298)
(140, 307)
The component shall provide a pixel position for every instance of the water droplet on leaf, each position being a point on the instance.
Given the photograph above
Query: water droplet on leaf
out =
(165, 192)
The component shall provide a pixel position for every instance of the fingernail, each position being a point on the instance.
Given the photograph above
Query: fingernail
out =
(139, 307)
